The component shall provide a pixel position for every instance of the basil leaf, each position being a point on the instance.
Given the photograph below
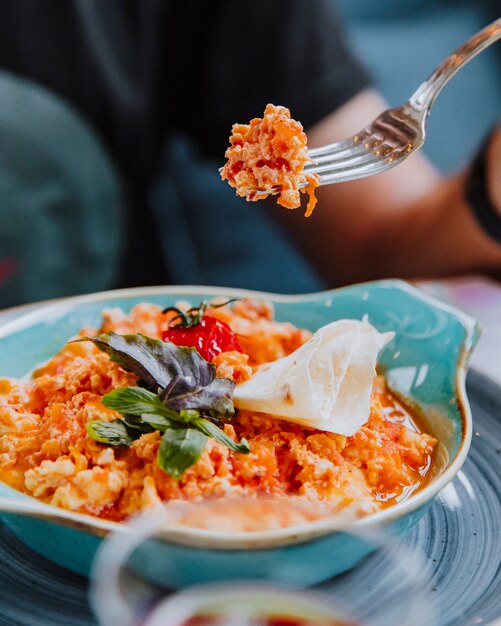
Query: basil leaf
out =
(188, 415)
(135, 423)
(142, 409)
(144, 357)
(114, 433)
(137, 401)
(159, 422)
(178, 385)
(180, 449)
(187, 380)
(211, 430)
(186, 392)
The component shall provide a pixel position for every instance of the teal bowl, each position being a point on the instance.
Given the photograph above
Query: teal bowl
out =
(425, 364)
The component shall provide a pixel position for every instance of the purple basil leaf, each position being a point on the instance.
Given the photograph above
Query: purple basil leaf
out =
(144, 357)
(215, 397)
(186, 380)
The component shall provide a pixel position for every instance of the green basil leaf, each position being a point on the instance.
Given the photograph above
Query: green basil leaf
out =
(135, 423)
(211, 430)
(138, 401)
(142, 409)
(159, 422)
(114, 433)
(188, 415)
(180, 449)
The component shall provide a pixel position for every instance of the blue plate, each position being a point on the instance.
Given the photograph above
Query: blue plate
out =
(425, 364)
(459, 536)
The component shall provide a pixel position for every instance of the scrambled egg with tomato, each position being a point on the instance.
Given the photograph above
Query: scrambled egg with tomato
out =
(45, 449)
(268, 155)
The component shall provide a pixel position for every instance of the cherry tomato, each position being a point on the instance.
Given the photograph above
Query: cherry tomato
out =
(210, 337)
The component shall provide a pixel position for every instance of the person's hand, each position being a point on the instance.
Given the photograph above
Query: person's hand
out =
(494, 169)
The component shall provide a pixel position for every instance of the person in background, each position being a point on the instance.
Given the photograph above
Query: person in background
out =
(110, 113)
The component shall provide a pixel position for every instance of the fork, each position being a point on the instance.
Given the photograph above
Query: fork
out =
(397, 132)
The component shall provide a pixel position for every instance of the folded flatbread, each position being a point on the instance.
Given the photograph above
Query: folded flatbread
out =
(324, 384)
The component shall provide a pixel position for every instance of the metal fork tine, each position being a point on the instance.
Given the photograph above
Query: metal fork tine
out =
(359, 158)
(339, 155)
(374, 166)
(332, 148)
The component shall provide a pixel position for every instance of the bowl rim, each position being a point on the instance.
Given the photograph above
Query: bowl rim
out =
(209, 539)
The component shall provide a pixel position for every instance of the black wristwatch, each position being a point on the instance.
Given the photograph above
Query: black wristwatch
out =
(478, 197)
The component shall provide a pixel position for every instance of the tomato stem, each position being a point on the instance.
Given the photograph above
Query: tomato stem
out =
(193, 317)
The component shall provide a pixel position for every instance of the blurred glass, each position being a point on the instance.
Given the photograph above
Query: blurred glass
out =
(128, 587)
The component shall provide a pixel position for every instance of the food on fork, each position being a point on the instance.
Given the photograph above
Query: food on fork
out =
(127, 418)
(269, 155)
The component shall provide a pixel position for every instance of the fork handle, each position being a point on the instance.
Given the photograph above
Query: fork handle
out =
(425, 95)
